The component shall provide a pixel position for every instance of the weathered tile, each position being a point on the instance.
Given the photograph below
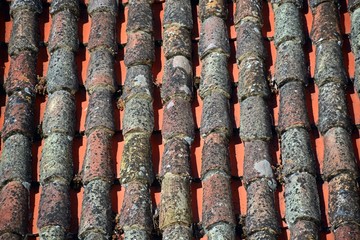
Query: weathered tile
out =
(136, 162)
(138, 82)
(10, 236)
(215, 115)
(215, 154)
(22, 76)
(52, 232)
(102, 6)
(249, 41)
(100, 111)
(301, 198)
(332, 108)
(217, 203)
(139, 49)
(140, 17)
(97, 163)
(329, 64)
(304, 229)
(257, 163)
(178, 120)
(325, 25)
(64, 5)
(56, 160)
(175, 201)
(213, 37)
(22, 5)
(138, 116)
(347, 231)
(211, 8)
(255, 120)
(178, 12)
(14, 208)
(293, 113)
(215, 75)
(252, 79)
(261, 214)
(62, 73)
(355, 31)
(15, 160)
(136, 234)
(315, 3)
(339, 154)
(290, 64)
(96, 211)
(353, 5)
(60, 114)
(100, 71)
(248, 10)
(176, 158)
(297, 3)
(177, 79)
(221, 231)
(54, 196)
(18, 115)
(102, 33)
(177, 41)
(24, 33)
(296, 152)
(177, 232)
(136, 208)
(64, 31)
(262, 235)
(343, 200)
(288, 25)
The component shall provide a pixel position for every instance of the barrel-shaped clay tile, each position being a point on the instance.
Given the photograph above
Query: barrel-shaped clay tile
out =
(221, 231)
(297, 3)
(353, 5)
(18, 115)
(180, 232)
(136, 208)
(304, 229)
(339, 154)
(176, 158)
(248, 10)
(56, 160)
(140, 17)
(177, 41)
(52, 232)
(215, 154)
(64, 5)
(109, 6)
(288, 25)
(10, 236)
(178, 120)
(22, 5)
(314, 3)
(138, 116)
(24, 33)
(293, 113)
(136, 162)
(301, 198)
(296, 152)
(215, 75)
(258, 163)
(290, 64)
(178, 12)
(177, 79)
(15, 160)
(329, 64)
(138, 82)
(139, 49)
(355, 31)
(255, 119)
(175, 205)
(97, 163)
(136, 234)
(332, 108)
(100, 111)
(59, 115)
(212, 8)
(21, 74)
(96, 210)
(252, 79)
(62, 73)
(343, 200)
(54, 196)
(262, 235)
(216, 115)
(102, 32)
(347, 231)
(213, 36)
(64, 32)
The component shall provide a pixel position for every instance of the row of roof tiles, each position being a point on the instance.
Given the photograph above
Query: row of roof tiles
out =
(302, 211)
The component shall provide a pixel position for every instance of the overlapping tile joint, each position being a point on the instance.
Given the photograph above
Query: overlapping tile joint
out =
(179, 119)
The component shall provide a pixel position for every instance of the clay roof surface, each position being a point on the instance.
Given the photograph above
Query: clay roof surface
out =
(179, 119)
